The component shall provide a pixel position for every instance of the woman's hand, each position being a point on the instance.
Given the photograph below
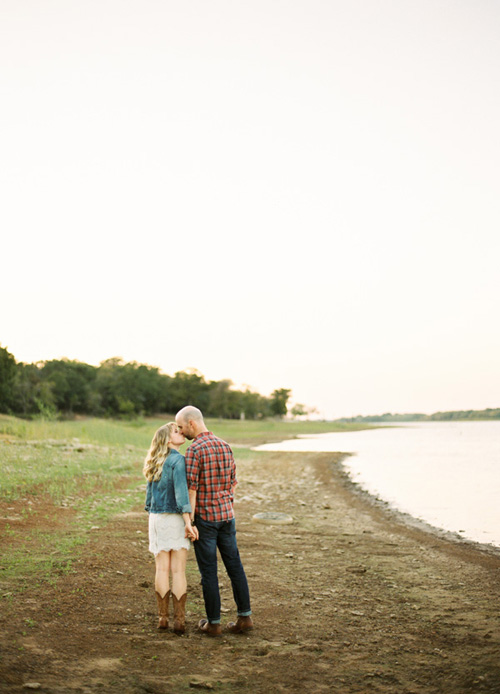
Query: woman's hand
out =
(191, 531)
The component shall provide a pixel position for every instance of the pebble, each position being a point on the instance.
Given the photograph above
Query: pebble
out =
(199, 683)
(32, 685)
(273, 517)
(357, 569)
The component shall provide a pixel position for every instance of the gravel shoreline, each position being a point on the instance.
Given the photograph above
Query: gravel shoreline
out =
(407, 519)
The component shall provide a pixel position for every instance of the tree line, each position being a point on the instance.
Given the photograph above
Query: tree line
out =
(123, 389)
(455, 415)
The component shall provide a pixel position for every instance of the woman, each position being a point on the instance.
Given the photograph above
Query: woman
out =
(170, 529)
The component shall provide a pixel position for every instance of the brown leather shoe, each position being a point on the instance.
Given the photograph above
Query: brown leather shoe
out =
(242, 624)
(211, 629)
(163, 609)
(180, 614)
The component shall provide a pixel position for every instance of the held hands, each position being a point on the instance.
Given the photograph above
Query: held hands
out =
(191, 531)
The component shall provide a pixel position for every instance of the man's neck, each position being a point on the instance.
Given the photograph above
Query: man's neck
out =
(200, 430)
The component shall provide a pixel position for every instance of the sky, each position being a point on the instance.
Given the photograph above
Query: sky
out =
(288, 194)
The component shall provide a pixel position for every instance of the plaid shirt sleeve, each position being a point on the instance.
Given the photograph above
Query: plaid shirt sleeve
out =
(192, 469)
(234, 481)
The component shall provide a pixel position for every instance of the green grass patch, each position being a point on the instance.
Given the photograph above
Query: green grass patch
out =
(138, 433)
(61, 470)
(51, 556)
(99, 508)
(104, 432)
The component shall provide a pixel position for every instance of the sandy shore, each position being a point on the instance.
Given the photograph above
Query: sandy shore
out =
(346, 599)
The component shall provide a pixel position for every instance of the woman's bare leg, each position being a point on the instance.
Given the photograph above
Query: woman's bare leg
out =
(163, 562)
(178, 566)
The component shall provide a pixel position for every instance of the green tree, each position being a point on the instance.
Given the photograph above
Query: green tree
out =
(71, 384)
(278, 402)
(118, 387)
(130, 389)
(219, 396)
(188, 388)
(224, 401)
(299, 410)
(254, 405)
(32, 395)
(8, 371)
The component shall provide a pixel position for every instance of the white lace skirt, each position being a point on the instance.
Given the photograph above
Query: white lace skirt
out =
(166, 532)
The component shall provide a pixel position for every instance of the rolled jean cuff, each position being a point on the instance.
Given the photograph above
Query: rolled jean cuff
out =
(245, 614)
(214, 621)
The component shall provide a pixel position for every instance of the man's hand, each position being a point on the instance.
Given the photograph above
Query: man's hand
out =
(191, 531)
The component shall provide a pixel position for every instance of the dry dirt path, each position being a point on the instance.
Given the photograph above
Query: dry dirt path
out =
(345, 600)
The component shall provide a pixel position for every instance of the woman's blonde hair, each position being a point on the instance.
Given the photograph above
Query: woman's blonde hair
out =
(158, 451)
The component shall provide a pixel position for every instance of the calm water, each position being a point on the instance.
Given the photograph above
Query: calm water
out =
(445, 473)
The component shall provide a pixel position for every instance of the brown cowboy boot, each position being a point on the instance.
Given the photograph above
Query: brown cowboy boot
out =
(242, 624)
(162, 609)
(179, 613)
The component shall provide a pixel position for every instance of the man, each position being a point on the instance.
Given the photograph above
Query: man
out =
(211, 478)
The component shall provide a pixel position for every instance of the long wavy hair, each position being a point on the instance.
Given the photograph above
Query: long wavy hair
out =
(158, 451)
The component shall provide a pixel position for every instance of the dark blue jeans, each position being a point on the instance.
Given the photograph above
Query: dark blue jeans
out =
(220, 535)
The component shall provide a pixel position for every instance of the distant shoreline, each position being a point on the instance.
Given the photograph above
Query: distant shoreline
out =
(489, 414)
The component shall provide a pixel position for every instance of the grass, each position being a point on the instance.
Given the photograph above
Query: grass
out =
(94, 468)
(104, 432)
(60, 471)
(109, 432)
(53, 556)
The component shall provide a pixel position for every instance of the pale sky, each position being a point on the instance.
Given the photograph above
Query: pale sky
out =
(299, 194)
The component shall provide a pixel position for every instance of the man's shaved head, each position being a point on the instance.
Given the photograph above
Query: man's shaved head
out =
(190, 422)
(189, 413)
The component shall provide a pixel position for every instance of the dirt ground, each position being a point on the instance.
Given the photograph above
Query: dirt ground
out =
(346, 599)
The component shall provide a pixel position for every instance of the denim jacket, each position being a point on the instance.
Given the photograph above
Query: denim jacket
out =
(170, 493)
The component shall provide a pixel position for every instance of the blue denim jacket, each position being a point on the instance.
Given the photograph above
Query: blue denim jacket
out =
(170, 493)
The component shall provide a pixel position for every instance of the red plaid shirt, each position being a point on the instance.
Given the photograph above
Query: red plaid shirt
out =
(210, 469)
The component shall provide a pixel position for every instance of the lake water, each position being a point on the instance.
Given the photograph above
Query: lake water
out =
(444, 473)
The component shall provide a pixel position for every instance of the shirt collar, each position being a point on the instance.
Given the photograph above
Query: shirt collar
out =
(203, 435)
